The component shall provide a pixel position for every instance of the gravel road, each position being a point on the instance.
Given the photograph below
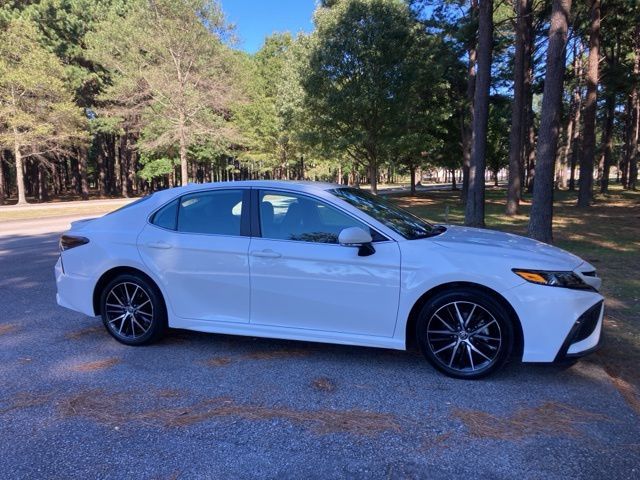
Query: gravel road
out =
(76, 404)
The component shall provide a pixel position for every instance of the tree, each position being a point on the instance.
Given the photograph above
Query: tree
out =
(429, 122)
(587, 159)
(471, 89)
(360, 75)
(518, 112)
(474, 209)
(541, 217)
(572, 147)
(633, 137)
(269, 120)
(37, 113)
(175, 53)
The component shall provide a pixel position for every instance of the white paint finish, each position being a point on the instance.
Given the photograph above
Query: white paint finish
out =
(287, 333)
(321, 292)
(325, 287)
(206, 277)
(547, 315)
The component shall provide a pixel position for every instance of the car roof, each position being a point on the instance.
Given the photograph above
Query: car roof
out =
(295, 185)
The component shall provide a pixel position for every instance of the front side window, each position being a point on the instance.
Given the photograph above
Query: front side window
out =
(389, 214)
(287, 216)
(213, 212)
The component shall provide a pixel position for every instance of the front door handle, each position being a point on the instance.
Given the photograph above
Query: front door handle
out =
(159, 245)
(265, 254)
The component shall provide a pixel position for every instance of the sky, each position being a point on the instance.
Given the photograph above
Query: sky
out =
(256, 19)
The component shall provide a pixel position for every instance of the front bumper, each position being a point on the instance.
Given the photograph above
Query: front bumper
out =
(585, 336)
(548, 316)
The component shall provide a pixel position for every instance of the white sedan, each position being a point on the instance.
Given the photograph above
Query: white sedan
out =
(327, 263)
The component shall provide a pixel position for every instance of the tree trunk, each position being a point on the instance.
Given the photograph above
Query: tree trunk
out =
(573, 122)
(516, 140)
(373, 176)
(576, 114)
(607, 141)
(184, 166)
(3, 191)
(628, 145)
(117, 169)
(102, 190)
(124, 165)
(22, 199)
(474, 208)
(467, 131)
(540, 221)
(528, 128)
(412, 173)
(43, 194)
(82, 168)
(635, 117)
(587, 158)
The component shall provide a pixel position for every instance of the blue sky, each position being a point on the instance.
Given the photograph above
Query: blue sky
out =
(257, 19)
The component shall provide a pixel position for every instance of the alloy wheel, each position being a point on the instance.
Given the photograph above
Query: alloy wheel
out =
(464, 336)
(129, 311)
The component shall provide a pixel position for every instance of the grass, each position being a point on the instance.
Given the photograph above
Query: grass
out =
(547, 419)
(31, 212)
(323, 384)
(95, 365)
(123, 408)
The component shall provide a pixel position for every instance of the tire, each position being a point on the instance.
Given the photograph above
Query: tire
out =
(133, 310)
(465, 333)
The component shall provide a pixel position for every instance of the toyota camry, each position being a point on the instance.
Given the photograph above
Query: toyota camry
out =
(328, 263)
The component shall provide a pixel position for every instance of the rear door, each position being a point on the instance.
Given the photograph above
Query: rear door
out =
(302, 278)
(197, 246)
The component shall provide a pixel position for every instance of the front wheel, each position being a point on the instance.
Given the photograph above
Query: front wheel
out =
(465, 333)
(133, 310)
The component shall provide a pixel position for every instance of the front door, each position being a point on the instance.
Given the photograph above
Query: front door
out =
(302, 278)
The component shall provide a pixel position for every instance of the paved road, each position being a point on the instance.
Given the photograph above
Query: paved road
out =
(76, 404)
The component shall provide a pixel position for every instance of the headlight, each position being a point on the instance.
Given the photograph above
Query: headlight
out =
(553, 279)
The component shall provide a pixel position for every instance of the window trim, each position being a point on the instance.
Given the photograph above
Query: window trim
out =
(255, 216)
(245, 216)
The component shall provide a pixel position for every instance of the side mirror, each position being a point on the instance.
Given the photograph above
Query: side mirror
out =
(357, 237)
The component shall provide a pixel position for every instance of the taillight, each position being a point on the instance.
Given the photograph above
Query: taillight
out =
(71, 241)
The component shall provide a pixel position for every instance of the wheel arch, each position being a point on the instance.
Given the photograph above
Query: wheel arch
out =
(110, 274)
(410, 329)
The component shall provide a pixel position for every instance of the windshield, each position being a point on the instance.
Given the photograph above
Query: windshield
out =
(394, 217)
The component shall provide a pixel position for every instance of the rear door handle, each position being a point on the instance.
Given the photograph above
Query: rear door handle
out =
(265, 254)
(159, 245)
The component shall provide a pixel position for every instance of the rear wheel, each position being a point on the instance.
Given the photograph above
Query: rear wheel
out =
(133, 310)
(465, 333)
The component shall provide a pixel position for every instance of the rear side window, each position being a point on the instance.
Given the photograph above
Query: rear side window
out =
(167, 216)
(213, 212)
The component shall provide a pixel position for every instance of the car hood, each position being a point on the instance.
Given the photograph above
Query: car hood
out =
(521, 252)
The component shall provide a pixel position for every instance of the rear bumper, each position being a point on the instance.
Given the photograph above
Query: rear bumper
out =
(74, 292)
(585, 336)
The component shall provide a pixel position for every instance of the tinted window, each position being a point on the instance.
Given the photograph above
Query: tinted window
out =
(166, 217)
(285, 216)
(389, 214)
(215, 212)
